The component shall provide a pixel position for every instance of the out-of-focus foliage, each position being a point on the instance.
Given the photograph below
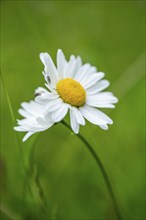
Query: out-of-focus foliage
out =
(109, 35)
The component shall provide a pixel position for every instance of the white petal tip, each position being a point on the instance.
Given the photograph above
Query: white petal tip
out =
(41, 55)
(27, 135)
(18, 128)
(116, 99)
(102, 73)
(59, 50)
(15, 128)
(104, 127)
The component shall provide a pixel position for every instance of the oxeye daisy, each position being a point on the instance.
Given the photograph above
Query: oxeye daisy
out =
(71, 86)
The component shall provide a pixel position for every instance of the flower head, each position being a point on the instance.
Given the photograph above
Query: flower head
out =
(70, 86)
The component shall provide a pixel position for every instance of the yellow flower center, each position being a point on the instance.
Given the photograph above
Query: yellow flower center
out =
(71, 92)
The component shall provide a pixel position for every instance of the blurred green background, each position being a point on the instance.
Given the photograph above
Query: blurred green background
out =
(109, 35)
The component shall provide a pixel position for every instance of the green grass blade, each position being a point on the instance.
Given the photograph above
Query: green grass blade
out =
(20, 148)
(130, 77)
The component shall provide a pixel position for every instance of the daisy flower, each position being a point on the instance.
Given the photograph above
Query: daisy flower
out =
(71, 86)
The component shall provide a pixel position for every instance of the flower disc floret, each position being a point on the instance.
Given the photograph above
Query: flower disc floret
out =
(71, 92)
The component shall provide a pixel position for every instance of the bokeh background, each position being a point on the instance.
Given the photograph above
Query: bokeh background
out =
(111, 36)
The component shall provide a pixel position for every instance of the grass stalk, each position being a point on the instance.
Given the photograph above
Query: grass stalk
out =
(18, 141)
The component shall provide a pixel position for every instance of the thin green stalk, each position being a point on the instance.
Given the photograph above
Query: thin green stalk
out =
(18, 141)
(27, 173)
(102, 169)
(13, 119)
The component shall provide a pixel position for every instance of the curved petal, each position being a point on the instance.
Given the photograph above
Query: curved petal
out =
(53, 105)
(50, 86)
(88, 77)
(104, 127)
(79, 62)
(19, 128)
(102, 100)
(60, 113)
(45, 121)
(30, 124)
(32, 107)
(82, 73)
(40, 90)
(77, 65)
(28, 134)
(61, 63)
(47, 77)
(50, 68)
(101, 85)
(95, 116)
(79, 118)
(24, 113)
(90, 81)
(43, 96)
(70, 68)
(73, 121)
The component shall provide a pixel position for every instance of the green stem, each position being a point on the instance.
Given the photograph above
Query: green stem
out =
(102, 169)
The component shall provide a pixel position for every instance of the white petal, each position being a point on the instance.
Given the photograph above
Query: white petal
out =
(60, 113)
(40, 90)
(102, 100)
(43, 57)
(79, 118)
(93, 69)
(100, 75)
(53, 105)
(79, 62)
(76, 67)
(50, 86)
(61, 63)
(101, 85)
(28, 108)
(70, 69)
(46, 76)
(82, 73)
(24, 113)
(44, 98)
(104, 116)
(45, 121)
(94, 115)
(104, 127)
(30, 124)
(32, 107)
(19, 128)
(73, 66)
(50, 68)
(73, 121)
(87, 77)
(27, 135)
(92, 79)
(72, 57)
